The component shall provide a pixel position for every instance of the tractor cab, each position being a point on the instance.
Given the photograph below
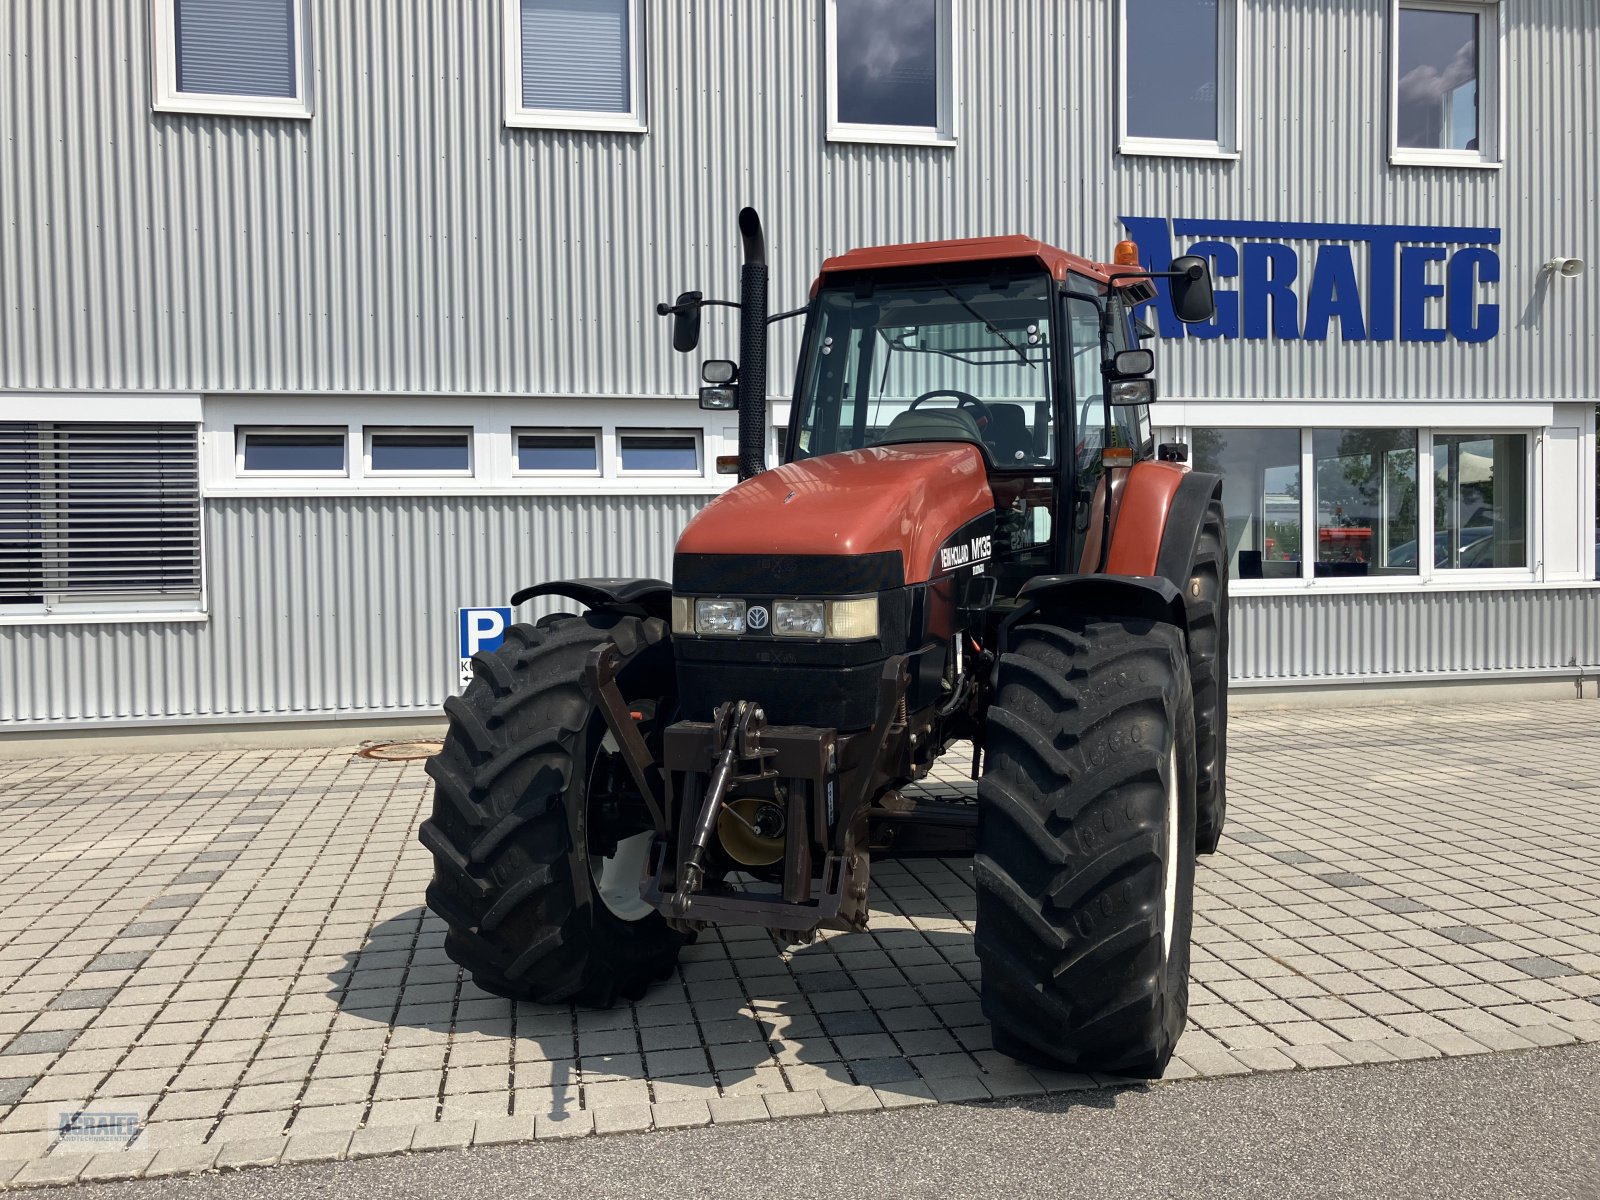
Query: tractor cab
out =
(1003, 344)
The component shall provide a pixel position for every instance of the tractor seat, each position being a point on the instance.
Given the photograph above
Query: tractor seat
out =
(932, 425)
(1009, 436)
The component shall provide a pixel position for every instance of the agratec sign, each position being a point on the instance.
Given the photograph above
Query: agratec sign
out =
(1267, 288)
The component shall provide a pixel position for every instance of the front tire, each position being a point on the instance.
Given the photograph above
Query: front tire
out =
(1207, 604)
(1086, 845)
(538, 839)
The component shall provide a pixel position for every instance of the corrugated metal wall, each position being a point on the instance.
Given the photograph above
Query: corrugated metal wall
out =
(346, 606)
(1395, 635)
(330, 606)
(404, 240)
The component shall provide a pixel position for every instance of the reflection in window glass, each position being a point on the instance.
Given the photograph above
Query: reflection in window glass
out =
(557, 452)
(304, 451)
(1366, 501)
(1172, 57)
(1480, 500)
(1437, 89)
(887, 55)
(659, 451)
(1260, 471)
(433, 452)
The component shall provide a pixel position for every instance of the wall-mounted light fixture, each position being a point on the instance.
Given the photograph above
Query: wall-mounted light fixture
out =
(1566, 268)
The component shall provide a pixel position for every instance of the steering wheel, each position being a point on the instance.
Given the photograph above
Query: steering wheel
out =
(980, 411)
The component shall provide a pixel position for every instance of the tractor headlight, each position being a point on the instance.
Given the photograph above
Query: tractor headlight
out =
(851, 620)
(719, 617)
(798, 618)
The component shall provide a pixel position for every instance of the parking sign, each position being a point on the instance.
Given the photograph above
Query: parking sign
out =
(479, 629)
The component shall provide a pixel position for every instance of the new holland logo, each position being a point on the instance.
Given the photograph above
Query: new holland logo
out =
(965, 553)
(756, 617)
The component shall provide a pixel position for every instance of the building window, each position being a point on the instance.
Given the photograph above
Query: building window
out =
(675, 452)
(419, 452)
(575, 64)
(1366, 501)
(1180, 77)
(559, 451)
(891, 71)
(1445, 83)
(243, 58)
(1261, 492)
(1480, 501)
(278, 451)
(98, 518)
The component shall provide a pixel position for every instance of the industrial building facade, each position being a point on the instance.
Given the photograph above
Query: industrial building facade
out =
(320, 321)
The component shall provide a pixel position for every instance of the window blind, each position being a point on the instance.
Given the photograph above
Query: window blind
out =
(98, 510)
(236, 47)
(575, 55)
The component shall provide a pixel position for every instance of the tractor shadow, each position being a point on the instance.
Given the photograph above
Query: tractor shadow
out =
(897, 1011)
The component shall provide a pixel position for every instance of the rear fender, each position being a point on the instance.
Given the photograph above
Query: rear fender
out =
(1186, 519)
(1159, 516)
(632, 597)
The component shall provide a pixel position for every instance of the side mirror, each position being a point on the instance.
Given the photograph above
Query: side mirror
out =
(1130, 364)
(1191, 289)
(685, 314)
(1131, 391)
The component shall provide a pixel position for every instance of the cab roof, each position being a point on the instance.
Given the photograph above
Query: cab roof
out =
(967, 250)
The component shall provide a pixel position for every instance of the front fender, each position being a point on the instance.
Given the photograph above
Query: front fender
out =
(635, 597)
(1147, 596)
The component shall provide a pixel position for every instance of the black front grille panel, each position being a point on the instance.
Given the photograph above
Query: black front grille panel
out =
(787, 575)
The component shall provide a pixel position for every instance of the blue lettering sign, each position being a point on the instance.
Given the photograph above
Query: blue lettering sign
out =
(1334, 292)
(1404, 283)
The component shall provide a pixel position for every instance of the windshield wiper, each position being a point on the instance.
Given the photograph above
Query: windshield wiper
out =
(987, 324)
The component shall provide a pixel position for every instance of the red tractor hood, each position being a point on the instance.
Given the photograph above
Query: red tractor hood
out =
(909, 498)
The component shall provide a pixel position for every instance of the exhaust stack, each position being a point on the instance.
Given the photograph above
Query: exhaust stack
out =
(752, 347)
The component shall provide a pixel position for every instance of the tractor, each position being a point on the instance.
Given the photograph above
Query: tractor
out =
(971, 541)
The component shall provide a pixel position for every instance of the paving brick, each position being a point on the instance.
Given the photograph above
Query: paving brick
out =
(315, 1147)
(378, 1140)
(56, 1169)
(117, 1164)
(795, 1104)
(443, 1135)
(181, 1160)
(503, 1130)
(735, 1110)
(850, 1099)
(250, 1152)
(564, 1125)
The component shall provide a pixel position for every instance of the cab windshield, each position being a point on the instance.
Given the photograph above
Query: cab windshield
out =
(932, 361)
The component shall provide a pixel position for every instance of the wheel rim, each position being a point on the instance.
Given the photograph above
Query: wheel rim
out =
(617, 878)
(1169, 870)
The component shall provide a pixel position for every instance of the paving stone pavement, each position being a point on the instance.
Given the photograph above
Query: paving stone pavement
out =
(222, 959)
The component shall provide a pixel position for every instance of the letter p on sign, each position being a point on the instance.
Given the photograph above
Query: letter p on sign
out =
(479, 629)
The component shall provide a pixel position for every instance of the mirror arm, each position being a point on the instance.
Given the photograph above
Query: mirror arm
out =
(663, 309)
(1192, 274)
(784, 316)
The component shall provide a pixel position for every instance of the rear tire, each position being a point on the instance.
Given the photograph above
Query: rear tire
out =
(1085, 860)
(529, 912)
(1207, 602)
